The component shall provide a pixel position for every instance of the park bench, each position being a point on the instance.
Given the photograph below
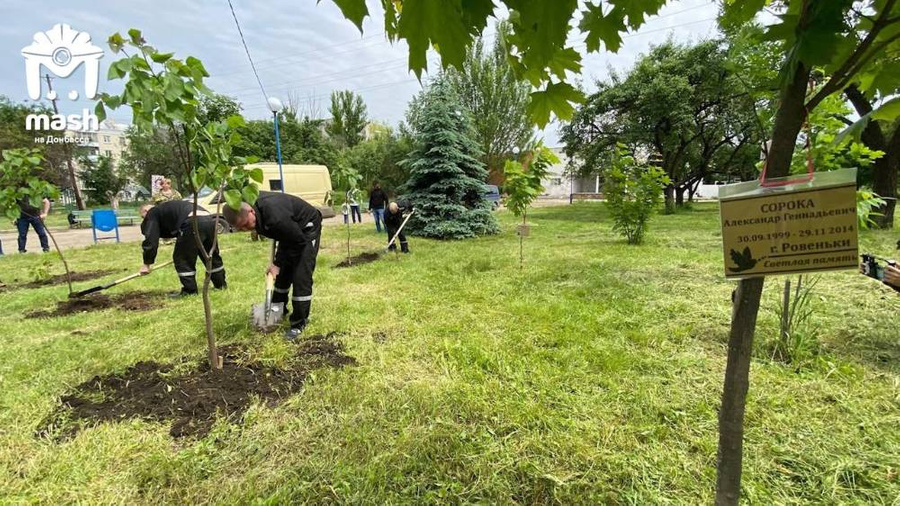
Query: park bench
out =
(585, 196)
(83, 218)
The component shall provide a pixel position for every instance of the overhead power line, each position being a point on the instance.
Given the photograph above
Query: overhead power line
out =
(247, 50)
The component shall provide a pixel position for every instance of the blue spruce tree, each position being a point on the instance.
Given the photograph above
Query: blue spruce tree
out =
(446, 181)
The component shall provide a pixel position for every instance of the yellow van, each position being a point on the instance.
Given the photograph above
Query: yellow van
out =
(312, 183)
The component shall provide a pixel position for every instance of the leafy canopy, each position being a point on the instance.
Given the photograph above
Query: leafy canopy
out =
(497, 102)
(537, 45)
(19, 181)
(165, 92)
(523, 181)
(348, 118)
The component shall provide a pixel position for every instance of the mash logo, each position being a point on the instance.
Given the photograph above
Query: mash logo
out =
(61, 50)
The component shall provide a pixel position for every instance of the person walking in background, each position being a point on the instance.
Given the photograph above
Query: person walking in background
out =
(354, 205)
(30, 215)
(377, 200)
(166, 192)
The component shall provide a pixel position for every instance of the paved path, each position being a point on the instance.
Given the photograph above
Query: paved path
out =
(83, 237)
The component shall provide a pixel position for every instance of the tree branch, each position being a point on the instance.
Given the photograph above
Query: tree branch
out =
(844, 71)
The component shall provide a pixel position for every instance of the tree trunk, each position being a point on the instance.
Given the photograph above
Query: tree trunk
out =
(215, 362)
(884, 183)
(884, 170)
(670, 199)
(679, 196)
(79, 201)
(788, 122)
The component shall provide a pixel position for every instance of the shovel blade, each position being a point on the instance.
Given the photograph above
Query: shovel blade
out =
(266, 321)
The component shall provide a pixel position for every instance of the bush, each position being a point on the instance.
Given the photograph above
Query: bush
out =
(632, 194)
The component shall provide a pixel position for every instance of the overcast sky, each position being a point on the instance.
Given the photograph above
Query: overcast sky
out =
(298, 46)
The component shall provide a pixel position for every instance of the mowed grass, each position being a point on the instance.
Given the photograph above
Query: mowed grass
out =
(593, 375)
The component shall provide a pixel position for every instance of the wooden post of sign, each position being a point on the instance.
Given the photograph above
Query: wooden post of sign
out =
(785, 311)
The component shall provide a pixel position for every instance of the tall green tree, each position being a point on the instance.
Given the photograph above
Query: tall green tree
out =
(101, 179)
(348, 118)
(302, 142)
(149, 152)
(496, 100)
(446, 181)
(379, 158)
(217, 107)
(680, 103)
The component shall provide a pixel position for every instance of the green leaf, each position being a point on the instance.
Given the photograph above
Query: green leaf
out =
(889, 111)
(256, 174)
(136, 37)
(196, 65)
(115, 72)
(233, 198)
(235, 121)
(556, 98)
(445, 25)
(161, 57)
(736, 13)
(250, 193)
(541, 28)
(563, 60)
(602, 28)
(354, 10)
(100, 111)
(116, 42)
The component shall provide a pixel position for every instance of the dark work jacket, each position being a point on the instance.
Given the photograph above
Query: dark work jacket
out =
(377, 199)
(290, 220)
(26, 209)
(393, 221)
(165, 221)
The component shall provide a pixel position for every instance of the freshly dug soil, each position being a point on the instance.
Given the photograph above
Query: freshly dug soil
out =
(61, 279)
(191, 400)
(130, 301)
(360, 259)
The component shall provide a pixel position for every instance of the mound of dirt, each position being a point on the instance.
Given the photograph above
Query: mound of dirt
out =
(61, 279)
(360, 259)
(191, 400)
(130, 301)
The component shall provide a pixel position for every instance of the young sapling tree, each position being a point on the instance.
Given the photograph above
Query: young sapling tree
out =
(165, 92)
(523, 186)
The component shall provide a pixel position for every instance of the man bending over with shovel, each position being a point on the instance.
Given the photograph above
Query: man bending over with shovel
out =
(174, 220)
(297, 226)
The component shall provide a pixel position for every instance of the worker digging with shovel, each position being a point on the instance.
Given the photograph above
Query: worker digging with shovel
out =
(174, 220)
(297, 227)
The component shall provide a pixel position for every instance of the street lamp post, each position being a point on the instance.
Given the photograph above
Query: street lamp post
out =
(275, 106)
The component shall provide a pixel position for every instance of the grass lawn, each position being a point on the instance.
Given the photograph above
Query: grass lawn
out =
(591, 376)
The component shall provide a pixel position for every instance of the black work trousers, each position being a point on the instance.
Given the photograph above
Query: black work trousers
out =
(404, 246)
(186, 253)
(297, 270)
